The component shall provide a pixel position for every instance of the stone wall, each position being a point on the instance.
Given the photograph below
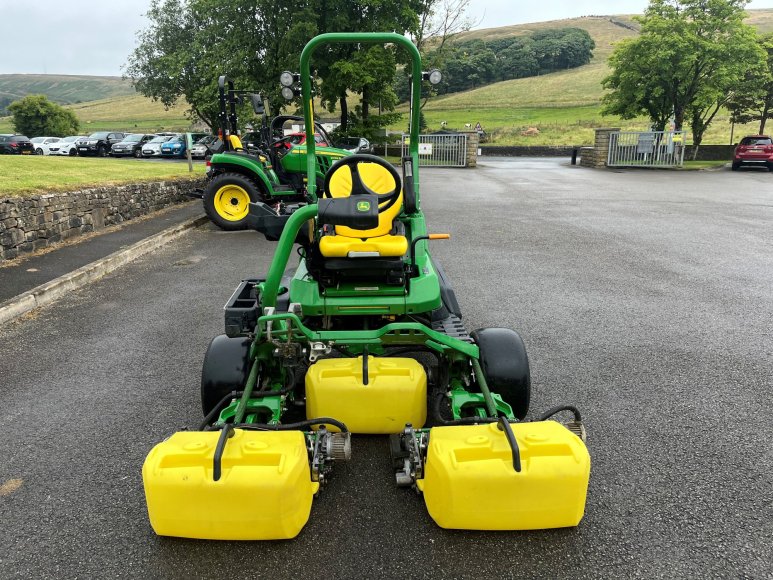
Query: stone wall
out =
(597, 157)
(34, 222)
(526, 151)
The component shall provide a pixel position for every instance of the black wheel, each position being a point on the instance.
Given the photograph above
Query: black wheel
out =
(505, 365)
(73, 152)
(227, 200)
(137, 153)
(38, 151)
(226, 367)
(770, 166)
(102, 152)
(735, 166)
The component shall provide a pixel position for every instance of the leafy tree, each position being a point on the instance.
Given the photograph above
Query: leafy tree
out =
(687, 60)
(35, 115)
(753, 99)
(189, 43)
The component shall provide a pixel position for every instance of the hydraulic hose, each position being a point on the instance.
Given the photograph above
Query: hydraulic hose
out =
(555, 410)
(293, 426)
(219, 407)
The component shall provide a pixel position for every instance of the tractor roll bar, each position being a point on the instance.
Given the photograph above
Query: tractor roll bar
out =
(367, 38)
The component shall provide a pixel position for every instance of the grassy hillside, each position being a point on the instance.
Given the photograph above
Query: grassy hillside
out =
(563, 106)
(133, 113)
(65, 89)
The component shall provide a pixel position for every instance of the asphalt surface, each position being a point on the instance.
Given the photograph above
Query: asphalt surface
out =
(643, 298)
(25, 274)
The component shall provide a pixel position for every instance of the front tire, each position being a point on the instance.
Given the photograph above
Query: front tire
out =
(227, 200)
(73, 152)
(137, 153)
(505, 366)
(226, 367)
(102, 152)
(38, 151)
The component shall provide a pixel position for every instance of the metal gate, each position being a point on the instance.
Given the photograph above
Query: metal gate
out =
(444, 150)
(648, 149)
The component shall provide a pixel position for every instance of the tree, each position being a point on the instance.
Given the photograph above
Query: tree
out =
(35, 116)
(189, 43)
(753, 99)
(687, 60)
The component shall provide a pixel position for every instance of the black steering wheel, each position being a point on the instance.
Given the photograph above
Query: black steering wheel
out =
(385, 200)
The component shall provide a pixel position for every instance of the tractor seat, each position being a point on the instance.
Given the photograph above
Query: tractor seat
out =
(383, 241)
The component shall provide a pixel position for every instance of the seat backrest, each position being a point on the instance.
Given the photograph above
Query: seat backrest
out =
(377, 179)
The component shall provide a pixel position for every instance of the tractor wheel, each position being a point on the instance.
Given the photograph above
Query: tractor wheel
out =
(226, 366)
(227, 200)
(506, 366)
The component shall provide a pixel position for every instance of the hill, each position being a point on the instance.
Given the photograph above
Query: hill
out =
(65, 89)
(564, 105)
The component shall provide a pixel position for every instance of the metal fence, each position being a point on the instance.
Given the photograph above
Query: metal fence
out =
(448, 150)
(649, 149)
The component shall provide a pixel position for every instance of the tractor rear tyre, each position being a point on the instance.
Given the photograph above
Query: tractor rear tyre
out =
(226, 367)
(227, 200)
(505, 366)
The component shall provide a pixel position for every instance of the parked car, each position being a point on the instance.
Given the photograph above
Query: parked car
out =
(288, 141)
(66, 146)
(99, 143)
(175, 147)
(16, 145)
(754, 150)
(131, 145)
(202, 147)
(42, 144)
(153, 147)
(356, 145)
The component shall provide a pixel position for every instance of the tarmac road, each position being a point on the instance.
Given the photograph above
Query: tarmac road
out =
(643, 297)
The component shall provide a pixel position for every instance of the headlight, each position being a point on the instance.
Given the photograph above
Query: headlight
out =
(288, 93)
(286, 79)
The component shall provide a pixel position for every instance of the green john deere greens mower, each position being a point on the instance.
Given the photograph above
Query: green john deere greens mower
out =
(365, 336)
(271, 174)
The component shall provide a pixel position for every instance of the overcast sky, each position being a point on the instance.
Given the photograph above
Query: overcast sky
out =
(94, 37)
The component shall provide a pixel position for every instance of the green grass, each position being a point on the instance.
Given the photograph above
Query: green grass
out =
(64, 89)
(696, 165)
(135, 113)
(31, 175)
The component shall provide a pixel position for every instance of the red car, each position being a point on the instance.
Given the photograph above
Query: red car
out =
(755, 151)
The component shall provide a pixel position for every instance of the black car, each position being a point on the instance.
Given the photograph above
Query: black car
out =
(16, 145)
(131, 145)
(98, 143)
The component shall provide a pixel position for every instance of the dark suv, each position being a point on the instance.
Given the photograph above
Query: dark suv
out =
(131, 145)
(16, 145)
(754, 150)
(98, 143)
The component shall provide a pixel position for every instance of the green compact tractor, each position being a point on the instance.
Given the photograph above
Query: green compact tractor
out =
(364, 336)
(274, 175)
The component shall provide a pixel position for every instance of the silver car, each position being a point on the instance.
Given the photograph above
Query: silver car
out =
(153, 147)
(66, 146)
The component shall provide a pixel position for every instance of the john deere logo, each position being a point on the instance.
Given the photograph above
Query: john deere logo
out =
(363, 206)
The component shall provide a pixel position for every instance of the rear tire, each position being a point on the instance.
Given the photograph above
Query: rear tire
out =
(226, 367)
(73, 152)
(137, 153)
(735, 166)
(226, 200)
(505, 365)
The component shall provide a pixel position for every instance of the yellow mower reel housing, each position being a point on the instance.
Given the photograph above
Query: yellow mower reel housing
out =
(264, 492)
(469, 481)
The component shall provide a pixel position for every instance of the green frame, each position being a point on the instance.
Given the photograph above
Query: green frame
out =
(363, 38)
